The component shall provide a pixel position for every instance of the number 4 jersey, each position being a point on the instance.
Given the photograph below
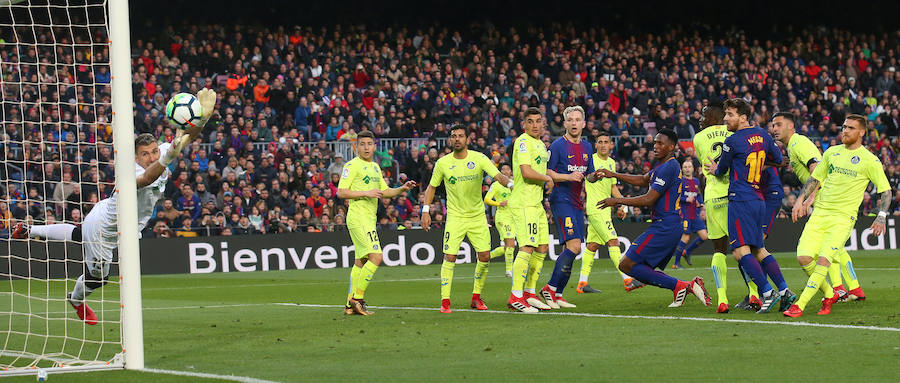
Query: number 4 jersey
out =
(708, 144)
(744, 154)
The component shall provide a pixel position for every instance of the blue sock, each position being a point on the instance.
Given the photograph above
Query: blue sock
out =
(770, 265)
(562, 270)
(649, 276)
(678, 250)
(755, 271)
(694, 244)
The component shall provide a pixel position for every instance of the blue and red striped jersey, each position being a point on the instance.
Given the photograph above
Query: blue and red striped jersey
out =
(690, 187)
(567, 157)
(665, 178)
(744, 154)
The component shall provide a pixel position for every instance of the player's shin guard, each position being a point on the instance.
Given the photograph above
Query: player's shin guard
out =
(447, 278)
(520, 272)
(534, 270)
(509, 253)
(720, 273)
(816, 279)
(649, 276)
(752, 289)
(679, 249)
(827, 290)
(562, 270)
(847, 271)
(693, 246)
(615, 255)
(587, 262)
(362, 281)
(770, 266)
(481, 272)
(754, 270)
(354, 275)
(834, 275)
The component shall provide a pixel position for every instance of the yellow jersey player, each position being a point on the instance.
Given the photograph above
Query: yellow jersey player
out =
(845, 173)
(498, 196)
(362, 184)
(462, 173)
(529, 216)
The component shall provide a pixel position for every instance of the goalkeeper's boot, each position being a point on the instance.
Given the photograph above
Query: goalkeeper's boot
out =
(856, 294)
(83, 311)
(535, 302)
(549, 297)
(744, 304)
(826, 305)
(21, 232)
(754, 304)
(793, 312)
(769, 301)
(519, 304)
(359, 307)
(723, 308)
(445, 306)
(477, 303)
(632, 284)
(841, 293)
(682, 289)
(699, 291)
(787, 299)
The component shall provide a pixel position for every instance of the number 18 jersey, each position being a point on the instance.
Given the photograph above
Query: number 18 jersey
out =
(708, 143)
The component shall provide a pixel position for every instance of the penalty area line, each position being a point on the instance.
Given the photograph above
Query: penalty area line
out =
(615, 316)
(233, 378)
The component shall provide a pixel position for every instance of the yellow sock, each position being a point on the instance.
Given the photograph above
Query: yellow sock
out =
(812, 285)
(520, 272)
(354, 274)
(587, 262)
(497, 252)
(834, 274)
(847, 271)
(534, 270)
(720, 273)
(362, 281)
(827, 290)
(510, 252)
(615, 254)
(446, 278)
(481, 272)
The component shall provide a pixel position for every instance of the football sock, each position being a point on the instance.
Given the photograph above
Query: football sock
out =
(587, 262)
(534, 270)
(562, 270)
(834, 274)
(354, 274)
(755, 271)
(497, 252)
(720, 273)
(362, 281)
(770, 265)
(447, 278)
(520, 272)
(653, 277)
(80, 291)
(752, 290)
(847, 271)
(816, 279)
(694, 245)
(615, 255)
(827, 290)
(59, 231)
(678, 250)
(509, 252)
(481, 272)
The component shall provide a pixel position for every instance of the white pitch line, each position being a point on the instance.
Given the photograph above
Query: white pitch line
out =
(233, 378)
(592, 315)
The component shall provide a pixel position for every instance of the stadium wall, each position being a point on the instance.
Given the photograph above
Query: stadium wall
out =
(331, 250)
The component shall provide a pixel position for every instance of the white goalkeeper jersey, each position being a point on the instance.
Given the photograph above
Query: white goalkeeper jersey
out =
(147, 197)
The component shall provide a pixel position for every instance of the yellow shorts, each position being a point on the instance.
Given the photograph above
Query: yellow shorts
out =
(717, 217)
(365, 240)
(825, 235)
(475, 228)
(504, 224)
(600, 229)
(531, 226)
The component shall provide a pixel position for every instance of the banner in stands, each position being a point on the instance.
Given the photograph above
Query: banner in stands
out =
(331, 250)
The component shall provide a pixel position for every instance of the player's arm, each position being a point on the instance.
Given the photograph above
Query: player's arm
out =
(806, 198)
(663, 180)
(622, 212)
(879, 179)
(393, 192)
(488, 197)
(488, 167)
(157, 168)
(437, 177)
(529, 174)
(562, 177)
(640, 180)
(647, 199)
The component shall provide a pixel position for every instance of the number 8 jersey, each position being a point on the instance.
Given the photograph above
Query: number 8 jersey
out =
(744, 154)
(708, 143)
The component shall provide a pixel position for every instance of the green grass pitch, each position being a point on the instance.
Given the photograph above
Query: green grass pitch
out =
(288, 326)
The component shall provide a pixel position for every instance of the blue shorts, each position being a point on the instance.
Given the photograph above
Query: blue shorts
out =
(569, 222)
(690, 226)
(655, 246)
(773, 206)
(745, 220)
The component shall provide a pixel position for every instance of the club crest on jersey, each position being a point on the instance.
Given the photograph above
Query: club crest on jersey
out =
(470, 165)
(585, 157)
(854, 160)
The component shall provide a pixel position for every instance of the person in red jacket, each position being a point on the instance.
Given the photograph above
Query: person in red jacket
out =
(316, 202)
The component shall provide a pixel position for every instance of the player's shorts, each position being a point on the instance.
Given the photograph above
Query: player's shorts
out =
(600, 229)
(98, 244)
(656, 246)
(504, 224)
(745, 223)
(825, 235)
(690, 226)
(773, 206)
(717, 217)
(475, 228)
(365, 240)
(569, 222)
(531, 226)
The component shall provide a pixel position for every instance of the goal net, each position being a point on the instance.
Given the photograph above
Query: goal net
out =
(57, 164)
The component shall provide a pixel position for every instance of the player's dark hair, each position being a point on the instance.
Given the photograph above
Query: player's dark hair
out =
(532, 111)
(715, 104)
(602, 133)
(502, 164)
(670, 134)
(787, 116)
(365, 134)
(460, 127)
(742, 107)
(860, 119)
(143, 139)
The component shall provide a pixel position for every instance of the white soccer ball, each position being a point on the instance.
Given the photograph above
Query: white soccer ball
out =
(184, 111)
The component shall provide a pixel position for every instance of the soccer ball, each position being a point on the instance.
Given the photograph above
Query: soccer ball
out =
(183, 111)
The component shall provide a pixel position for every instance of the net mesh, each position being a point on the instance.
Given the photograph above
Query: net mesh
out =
(57, 164)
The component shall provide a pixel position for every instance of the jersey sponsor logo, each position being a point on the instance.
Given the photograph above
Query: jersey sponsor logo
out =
(470, 165)
(452, 180)
(472, 177)
(854, 160)
(345, 173)
(840, 170)
(576, 168)
(366, 179)
(523, 147)
(538, 160)
(660, 182)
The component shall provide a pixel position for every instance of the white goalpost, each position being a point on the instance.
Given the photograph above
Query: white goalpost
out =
(66, 142)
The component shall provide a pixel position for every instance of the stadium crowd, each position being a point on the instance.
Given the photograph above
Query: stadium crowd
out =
(265, 163)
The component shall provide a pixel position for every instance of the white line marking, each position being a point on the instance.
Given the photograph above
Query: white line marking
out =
(233, 378)
(592, 315)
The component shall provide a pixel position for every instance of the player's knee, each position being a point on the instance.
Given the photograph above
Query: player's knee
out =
(823, 261)
(375, 258)
(624, 266)
(452, 258)
(543, 249)
(574, 246)
(484, 256)
(613, 242)
(804, 259)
